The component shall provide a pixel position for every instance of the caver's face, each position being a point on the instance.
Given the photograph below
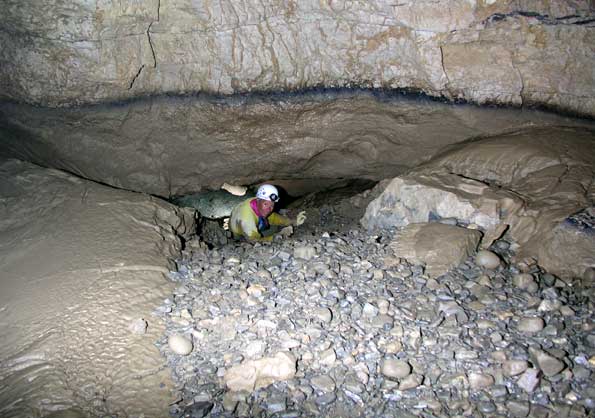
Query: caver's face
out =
(265, 207)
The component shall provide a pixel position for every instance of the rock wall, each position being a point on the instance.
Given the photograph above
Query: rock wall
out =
(484, 51)
(80, 264)
(526, 184)
(176, 146)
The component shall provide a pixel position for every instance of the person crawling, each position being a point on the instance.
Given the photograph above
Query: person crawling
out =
(253, 217)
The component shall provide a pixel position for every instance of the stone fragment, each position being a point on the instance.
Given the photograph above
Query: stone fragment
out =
(411, 381)
(514, 367)
(486, 407)
(323, 314)
(439, 247)
(530, 324)
(394, 368)
(518, 409)
(138, 326)
(549, 305)
(478, 381)
(487, 259)
(328, 357)
(229, 402)
(418, 198)
(256, 290)
(383, 306)
(180, 344)
(323, 383)
(254, 349)
(305, 252)
(525, 281)
(567, 311)
(234, 189)
(254, 374)
(369, 310)
(549, 365)
(381, 321)
(529, 380)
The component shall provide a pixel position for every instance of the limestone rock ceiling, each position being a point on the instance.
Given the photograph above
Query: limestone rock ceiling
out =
(171, 147)
(493, 51)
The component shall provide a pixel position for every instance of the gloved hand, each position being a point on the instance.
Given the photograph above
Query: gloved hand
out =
(226, 224)
(301, 218)
(286, 232)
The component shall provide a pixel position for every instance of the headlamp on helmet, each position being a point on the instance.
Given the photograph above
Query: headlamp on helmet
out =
(268, 192)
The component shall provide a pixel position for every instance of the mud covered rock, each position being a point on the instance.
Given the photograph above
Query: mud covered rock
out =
(80, 262)
(535, 184)
(439, 247)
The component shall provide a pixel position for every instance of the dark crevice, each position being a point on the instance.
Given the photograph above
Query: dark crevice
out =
(149, 34)
(136, 76)
(151, 45)
(545, 19)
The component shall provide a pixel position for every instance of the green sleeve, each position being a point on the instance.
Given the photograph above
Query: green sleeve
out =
(278, 219)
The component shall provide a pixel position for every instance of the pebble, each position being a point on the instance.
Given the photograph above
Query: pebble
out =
(487, 259)
(479, 381)
(518, 409)
(514, 367)
(395, 368)
(323, 314)
(531, 324)
(367, 333)
(328, 357)
(529, 380)
(323, 383)
(305, 252)
(549, 365)
(410, 382)
(180, 345)
(138, 326)
(526, 282)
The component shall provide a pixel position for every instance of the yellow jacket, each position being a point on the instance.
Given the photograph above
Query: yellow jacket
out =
(244, 222)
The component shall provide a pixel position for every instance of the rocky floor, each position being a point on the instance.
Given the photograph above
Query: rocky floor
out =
(368, 334)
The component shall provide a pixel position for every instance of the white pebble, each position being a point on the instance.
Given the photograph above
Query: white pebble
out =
(180, 345)
(487, 259)
(138, 326)
(323, 314)
(395, 368)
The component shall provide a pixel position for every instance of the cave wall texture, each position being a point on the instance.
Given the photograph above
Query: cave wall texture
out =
(156, 95)
(519, 52)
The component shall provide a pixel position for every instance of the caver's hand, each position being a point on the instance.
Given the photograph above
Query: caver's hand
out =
(301, 218)
(226, 224)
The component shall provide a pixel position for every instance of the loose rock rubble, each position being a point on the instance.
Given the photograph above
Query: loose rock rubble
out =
(338, 325)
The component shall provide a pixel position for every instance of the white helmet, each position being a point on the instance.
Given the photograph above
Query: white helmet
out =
(268, 192)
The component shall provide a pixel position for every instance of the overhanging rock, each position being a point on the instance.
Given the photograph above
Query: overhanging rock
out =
(530, 183)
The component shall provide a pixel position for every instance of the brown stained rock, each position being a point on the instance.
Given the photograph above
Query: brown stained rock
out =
(440, 247)
(80, 262)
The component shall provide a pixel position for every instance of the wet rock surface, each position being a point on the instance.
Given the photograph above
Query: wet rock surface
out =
(82, 266)
(173, 146)
(360, 331)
